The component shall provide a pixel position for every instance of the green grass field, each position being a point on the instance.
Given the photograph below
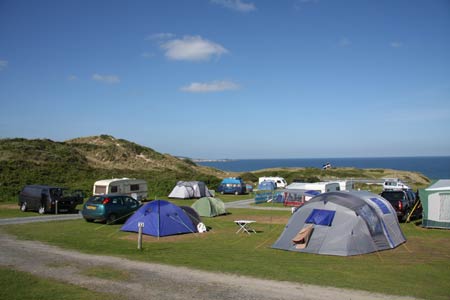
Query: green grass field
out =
(419, 268)
(16, 285)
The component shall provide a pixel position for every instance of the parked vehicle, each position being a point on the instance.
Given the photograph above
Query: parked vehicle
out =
(393, 184)
(109, 208)
(322, 187)
(401, 201)
(135, 188)
(345, 185)
(280, 182)
(232, 185)
(49, 199)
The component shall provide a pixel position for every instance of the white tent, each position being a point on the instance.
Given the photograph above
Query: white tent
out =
(190, 189)
(436, 205)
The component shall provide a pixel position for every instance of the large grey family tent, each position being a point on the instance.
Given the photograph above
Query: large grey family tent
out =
(160, 218)
(190, 189)
(436, 205)
(342, 223)
(209, 207)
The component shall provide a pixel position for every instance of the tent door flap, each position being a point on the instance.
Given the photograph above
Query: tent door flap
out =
(302, 238)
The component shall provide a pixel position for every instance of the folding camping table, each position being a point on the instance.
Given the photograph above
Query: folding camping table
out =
(244, 226)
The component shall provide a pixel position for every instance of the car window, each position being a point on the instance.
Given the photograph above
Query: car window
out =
(393, 196)
(131, 202)
(117, 200)
(96, 199)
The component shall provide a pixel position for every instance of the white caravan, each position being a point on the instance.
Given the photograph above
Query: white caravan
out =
(321, 187)
(135, 188)
(279, 181)
(345, 185)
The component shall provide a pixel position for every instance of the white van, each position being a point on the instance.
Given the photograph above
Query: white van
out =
(135, 188)
(280, 182)
(392, 184)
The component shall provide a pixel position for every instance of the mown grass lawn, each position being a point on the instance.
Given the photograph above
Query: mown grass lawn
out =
(16, 285)
(419, 268)
(11, 210)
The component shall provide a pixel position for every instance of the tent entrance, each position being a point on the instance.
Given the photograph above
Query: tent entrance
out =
(302, 238)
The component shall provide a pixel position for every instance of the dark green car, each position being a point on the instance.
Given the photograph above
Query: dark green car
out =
(110, 208)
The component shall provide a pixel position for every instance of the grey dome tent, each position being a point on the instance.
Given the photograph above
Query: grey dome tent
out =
(190, 189)
(342, 223)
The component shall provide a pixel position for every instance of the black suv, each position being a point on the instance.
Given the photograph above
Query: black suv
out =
(402, 201)
(47, 199)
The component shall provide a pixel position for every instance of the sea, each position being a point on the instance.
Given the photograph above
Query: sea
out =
(434, 167)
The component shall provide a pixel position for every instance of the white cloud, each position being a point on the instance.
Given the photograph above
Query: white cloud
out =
(72, 77)
(193, 48)
(211, 87)
(110, 79)
(237, 5)
(396, 44)
(3, 64)
(160, 36)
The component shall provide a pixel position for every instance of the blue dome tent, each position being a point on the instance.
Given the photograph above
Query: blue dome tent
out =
(160, 218)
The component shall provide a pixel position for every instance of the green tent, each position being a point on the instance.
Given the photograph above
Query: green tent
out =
(436, 205)
(209, 207)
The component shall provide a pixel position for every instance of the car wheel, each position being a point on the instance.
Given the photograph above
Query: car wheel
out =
(41, 210)
(89, 220)
(112, 218)
(23, 207)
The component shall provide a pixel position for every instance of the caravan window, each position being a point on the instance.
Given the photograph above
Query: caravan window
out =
(100, 189)
(134, 187)
(114, 189)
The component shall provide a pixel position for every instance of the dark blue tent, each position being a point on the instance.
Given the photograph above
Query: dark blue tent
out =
(160, 218)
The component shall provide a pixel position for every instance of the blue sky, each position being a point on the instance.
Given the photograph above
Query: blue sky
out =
(231, 78)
